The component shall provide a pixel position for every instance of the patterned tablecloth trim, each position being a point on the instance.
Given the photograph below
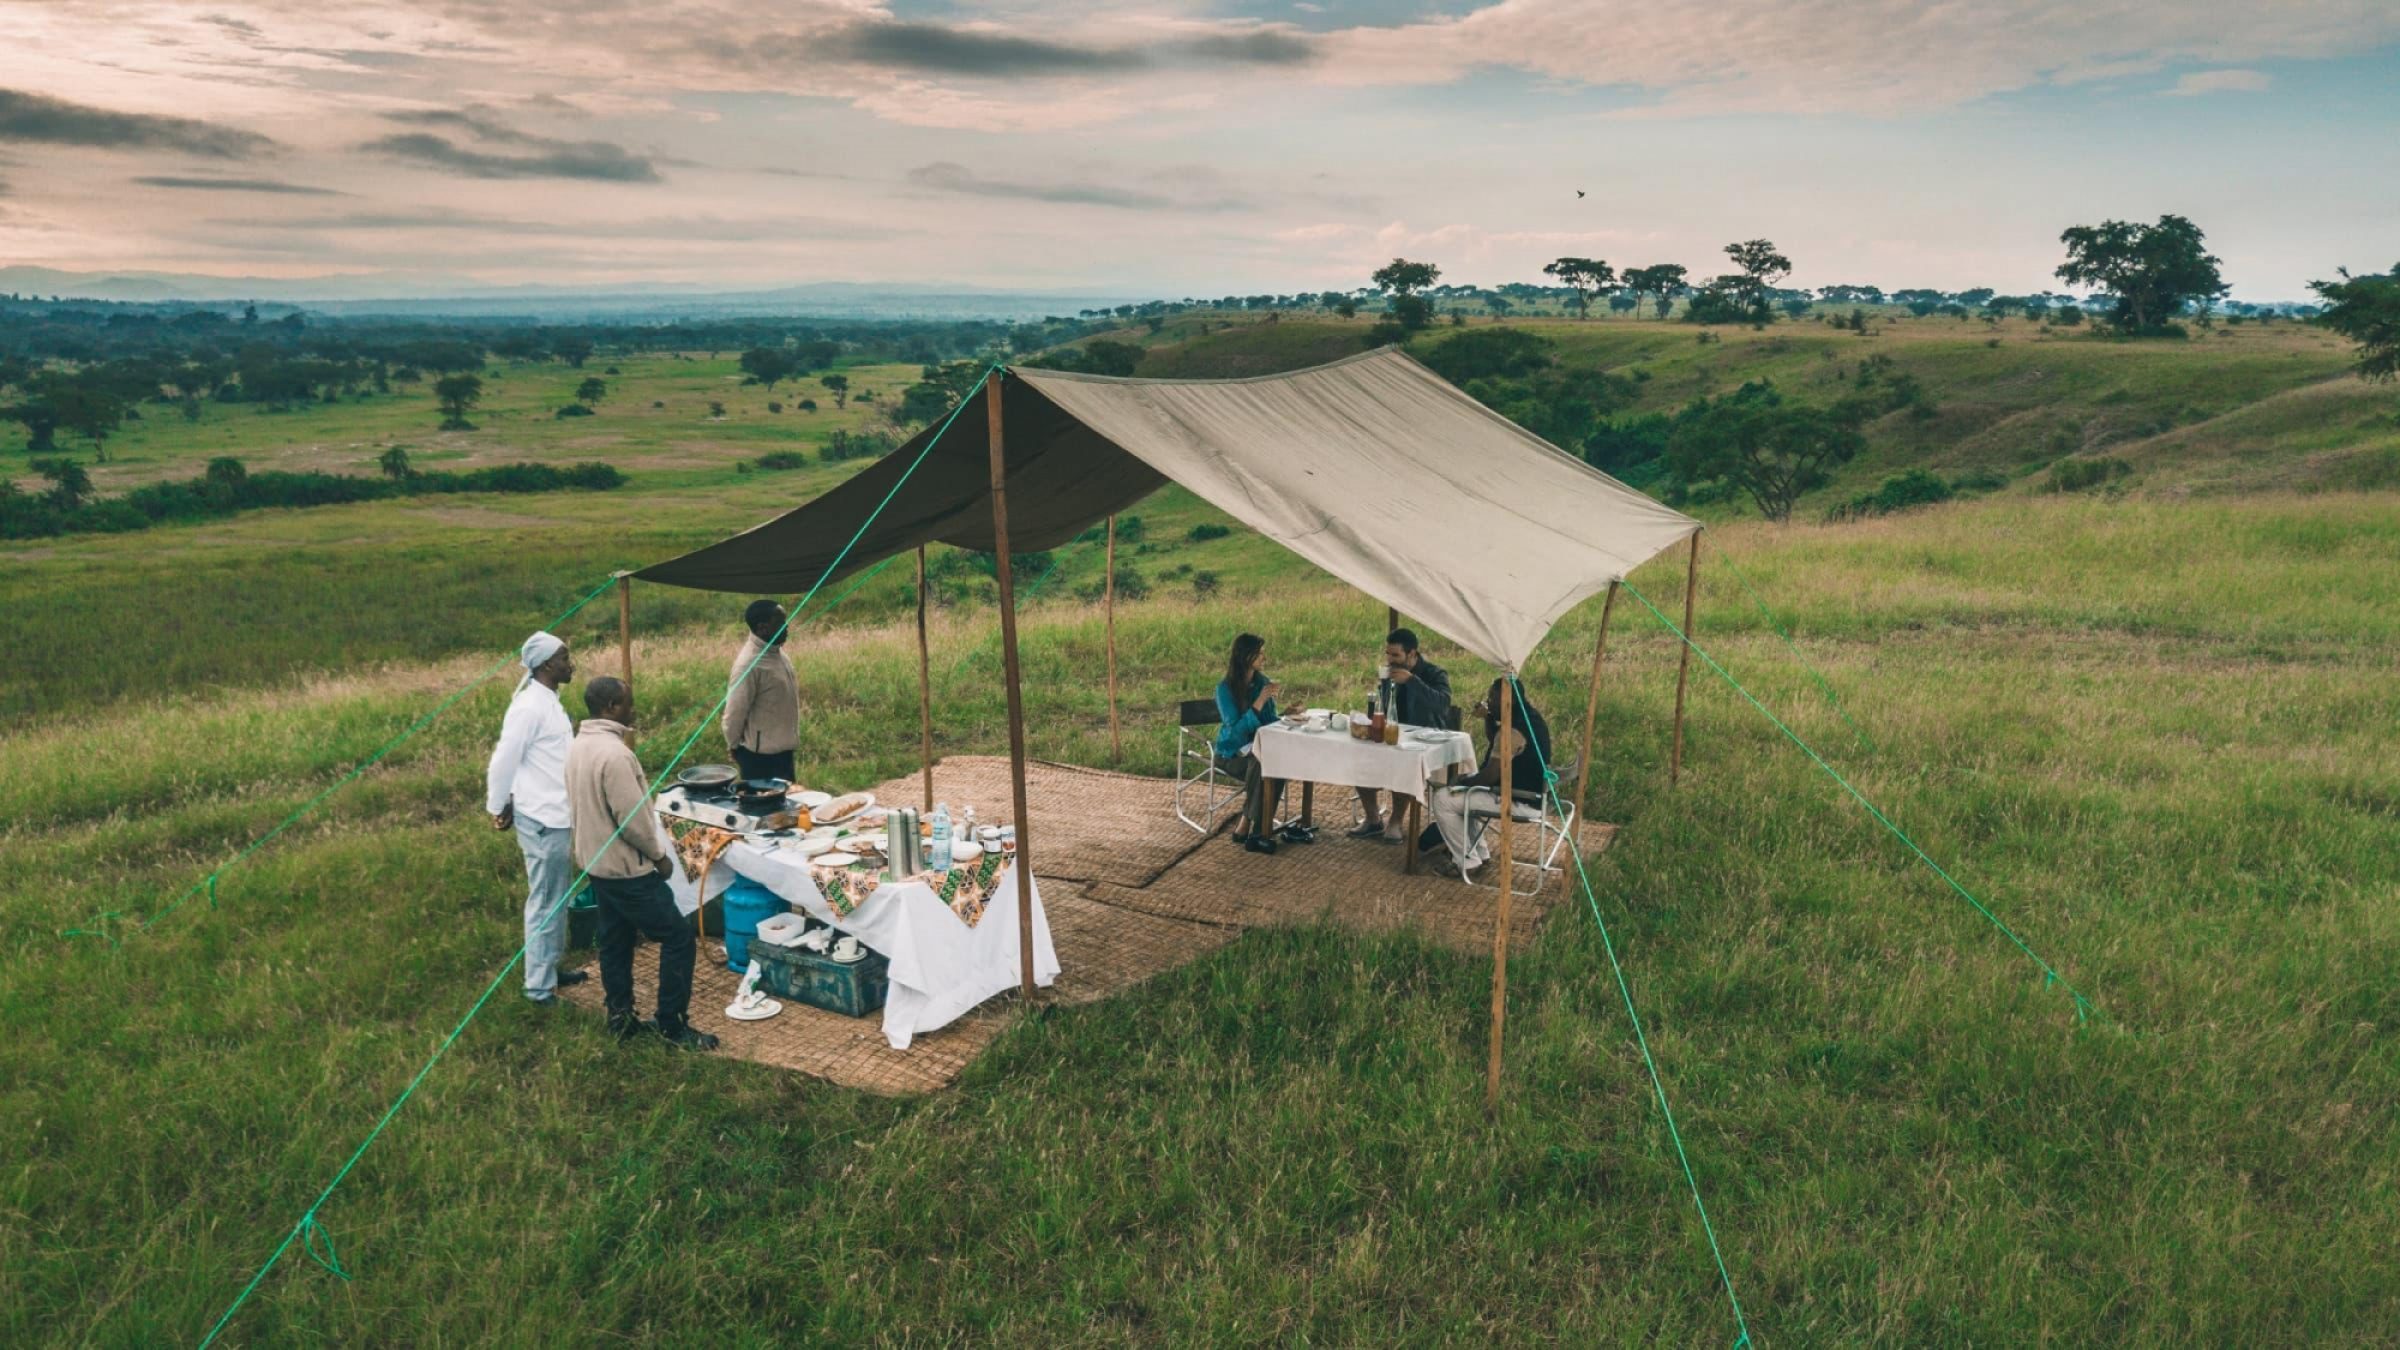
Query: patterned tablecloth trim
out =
(966, 890)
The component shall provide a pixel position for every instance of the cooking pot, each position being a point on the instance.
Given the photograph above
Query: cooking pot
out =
(757, 795)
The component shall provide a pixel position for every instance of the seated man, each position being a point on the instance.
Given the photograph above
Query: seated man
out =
(617, 841)
(1530, 740)
(1421, 698)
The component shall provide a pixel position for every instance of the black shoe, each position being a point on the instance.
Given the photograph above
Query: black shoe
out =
(623, 1026)
(568, 977)
(686, 1038)
(1297, 834)
(1258, 843)
(1372, 829)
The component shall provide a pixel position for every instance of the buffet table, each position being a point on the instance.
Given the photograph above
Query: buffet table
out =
(1425, 755)
(941, 965)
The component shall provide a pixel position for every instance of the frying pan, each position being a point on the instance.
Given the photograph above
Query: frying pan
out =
(708, 777)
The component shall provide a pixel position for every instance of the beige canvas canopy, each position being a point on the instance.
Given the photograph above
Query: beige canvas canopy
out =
(1373, 468)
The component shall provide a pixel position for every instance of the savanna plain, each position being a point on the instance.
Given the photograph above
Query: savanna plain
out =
(2149, 725)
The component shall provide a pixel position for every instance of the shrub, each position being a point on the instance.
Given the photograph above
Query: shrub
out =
(773, 406)
(808, 405)
(573, 410)
(783, 459)
(1131, 585)
(1979, 480)
(1204, 584)
(855, 445)
(2075, 475)
(1205, 531)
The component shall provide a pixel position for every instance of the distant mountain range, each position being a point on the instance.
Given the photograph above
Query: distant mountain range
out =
(396, 293)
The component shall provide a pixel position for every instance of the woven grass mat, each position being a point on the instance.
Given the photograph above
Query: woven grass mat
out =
(1131, 892)
(1353, 883)
(850, 1051)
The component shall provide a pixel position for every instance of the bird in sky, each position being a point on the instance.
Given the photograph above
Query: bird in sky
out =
(1579, 194)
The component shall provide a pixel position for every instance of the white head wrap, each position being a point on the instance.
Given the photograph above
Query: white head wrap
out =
(539, 648)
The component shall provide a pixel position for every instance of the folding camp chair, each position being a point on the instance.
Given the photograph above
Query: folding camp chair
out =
(1553, 820)
(1193, 748)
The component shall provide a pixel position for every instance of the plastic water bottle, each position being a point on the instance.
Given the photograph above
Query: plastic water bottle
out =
(940, 861)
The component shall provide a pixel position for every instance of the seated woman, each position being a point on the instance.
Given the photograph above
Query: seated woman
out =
(1246, 702)
(1530, 740)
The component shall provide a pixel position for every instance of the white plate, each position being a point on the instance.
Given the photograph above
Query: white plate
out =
(812, 799)
(876, 840)
(863, 800)
(810, 847)
(836, 858)
(965, 850)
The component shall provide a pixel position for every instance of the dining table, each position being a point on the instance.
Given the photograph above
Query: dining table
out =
(1308, 750)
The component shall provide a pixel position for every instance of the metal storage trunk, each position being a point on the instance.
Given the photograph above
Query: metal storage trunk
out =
(855, 988)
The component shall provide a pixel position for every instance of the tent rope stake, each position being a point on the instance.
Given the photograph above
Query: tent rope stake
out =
(308, 1218)
(1641, 1040)
(97, 925)
(2083, 1006)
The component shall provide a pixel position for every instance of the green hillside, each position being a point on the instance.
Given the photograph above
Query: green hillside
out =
(2235, 408)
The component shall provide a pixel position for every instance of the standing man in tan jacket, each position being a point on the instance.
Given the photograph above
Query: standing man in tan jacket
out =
(762, 706)
(618, 842)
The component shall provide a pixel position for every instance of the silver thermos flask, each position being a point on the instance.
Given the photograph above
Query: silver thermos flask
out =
(903, 852)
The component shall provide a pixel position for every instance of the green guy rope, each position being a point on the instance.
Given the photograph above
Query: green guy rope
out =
(209, 882)
(1640, 1040)
(2083, 1006)
(308, 1219)
(1819, 676)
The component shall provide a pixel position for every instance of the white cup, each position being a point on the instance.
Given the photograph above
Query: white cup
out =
(1340, 722)
(988, 836)
(847, 949)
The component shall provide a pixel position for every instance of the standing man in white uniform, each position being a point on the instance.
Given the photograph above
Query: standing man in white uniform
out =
(525, 789)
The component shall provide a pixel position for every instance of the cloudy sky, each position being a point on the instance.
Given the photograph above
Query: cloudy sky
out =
(1186, 146)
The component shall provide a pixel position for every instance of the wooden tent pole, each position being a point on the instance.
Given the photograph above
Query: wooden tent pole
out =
(1391, 617)
(1506, 794)
(1591, 702)
(1683, 667)
(625, 623)
(1116, 745)
(924, 682)
(1016, 697)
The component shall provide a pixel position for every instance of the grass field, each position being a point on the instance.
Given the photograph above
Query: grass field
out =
(2151, 728)
(2152, 734)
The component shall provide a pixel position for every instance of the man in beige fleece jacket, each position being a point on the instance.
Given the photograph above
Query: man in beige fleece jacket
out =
(619, 844)
(762, 705)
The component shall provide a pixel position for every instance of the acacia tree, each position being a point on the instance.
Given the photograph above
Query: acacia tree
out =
(457, 395)
(591, 391)
(1587, 277)
(1750, 442)
(839, 387)
(767, 365)
(1403, 279)
(1743, 296)
(2366, 310)
(1661, 280)
(2152, 271)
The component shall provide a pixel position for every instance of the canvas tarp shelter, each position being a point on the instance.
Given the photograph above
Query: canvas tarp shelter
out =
(1373, 468)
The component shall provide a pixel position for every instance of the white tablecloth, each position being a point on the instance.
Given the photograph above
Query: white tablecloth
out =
(1422, 756)
(940, 967)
